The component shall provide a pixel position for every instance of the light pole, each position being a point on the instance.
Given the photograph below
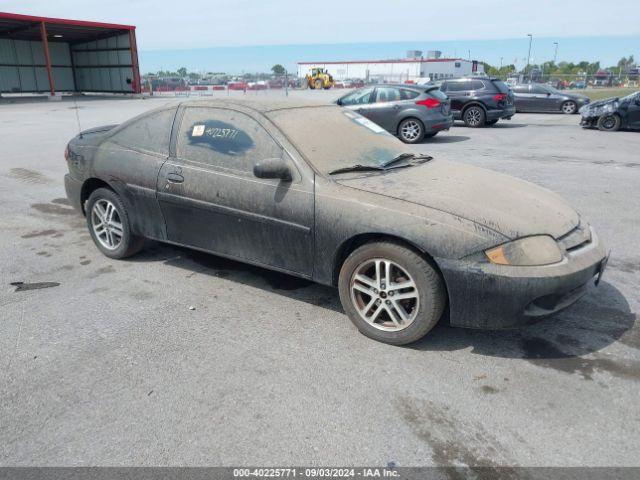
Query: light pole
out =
(526, 70)
(555, 54)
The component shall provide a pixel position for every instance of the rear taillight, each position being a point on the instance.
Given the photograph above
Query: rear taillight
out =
(429, 102)
(66, 152)
(499, 97)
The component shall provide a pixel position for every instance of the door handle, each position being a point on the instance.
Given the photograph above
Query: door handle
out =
(175, 177)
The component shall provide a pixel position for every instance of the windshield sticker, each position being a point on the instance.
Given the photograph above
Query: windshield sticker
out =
(370, 125)
(365, 122)
(220, 137)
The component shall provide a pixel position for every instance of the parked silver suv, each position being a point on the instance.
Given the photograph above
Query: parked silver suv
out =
(412, 112)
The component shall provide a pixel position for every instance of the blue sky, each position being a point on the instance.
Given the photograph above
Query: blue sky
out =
(200, 34)
(608, 50)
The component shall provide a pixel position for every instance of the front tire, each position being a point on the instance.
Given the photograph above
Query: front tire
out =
(569, 108)
(390, 293)
(411, 130)
(109, 226)
(474, 117)
(609, 123)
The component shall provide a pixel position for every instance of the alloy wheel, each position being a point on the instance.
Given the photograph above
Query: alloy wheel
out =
(384, 294)
(569, 108)
(410, 130)
(608, 122)
(107, 224)
(473, 117)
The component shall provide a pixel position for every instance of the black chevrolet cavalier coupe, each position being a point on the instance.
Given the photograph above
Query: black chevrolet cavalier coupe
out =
(320, 192)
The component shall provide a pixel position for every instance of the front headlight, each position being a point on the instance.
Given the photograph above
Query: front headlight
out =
(529, 251)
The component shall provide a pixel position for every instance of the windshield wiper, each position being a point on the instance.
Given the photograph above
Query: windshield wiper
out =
(406, 156)
(387, 165)
(356, 168)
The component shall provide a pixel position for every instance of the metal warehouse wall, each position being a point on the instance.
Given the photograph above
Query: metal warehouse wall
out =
(23, 66)
(103, 65)
(98, 66)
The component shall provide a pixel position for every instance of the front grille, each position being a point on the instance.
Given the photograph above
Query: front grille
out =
(577, 238)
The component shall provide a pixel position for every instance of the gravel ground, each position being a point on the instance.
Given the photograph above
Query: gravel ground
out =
(112, 367)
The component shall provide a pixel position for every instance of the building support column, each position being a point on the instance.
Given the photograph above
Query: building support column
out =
(47, 57)
(133, 46)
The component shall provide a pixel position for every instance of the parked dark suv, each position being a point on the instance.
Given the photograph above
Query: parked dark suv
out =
(479, 101)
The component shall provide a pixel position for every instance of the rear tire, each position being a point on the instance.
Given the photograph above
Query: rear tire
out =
(474, 117)
(381, 314)
(609, 123)
(411, 130)
(109, 226)
(569, 108)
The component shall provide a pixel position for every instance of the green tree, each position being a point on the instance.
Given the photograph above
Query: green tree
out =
(182, 72)
(278, 70)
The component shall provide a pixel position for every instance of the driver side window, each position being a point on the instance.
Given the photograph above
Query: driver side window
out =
(359, 97)
(225, 139)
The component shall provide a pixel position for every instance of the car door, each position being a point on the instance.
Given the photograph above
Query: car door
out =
(458, 92)
(211, 199)
(386, 107)
(522, 97)
(358, 101)
(633, 113)
(541, 100)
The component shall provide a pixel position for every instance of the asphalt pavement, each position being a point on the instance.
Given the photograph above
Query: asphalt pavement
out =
(175, 357)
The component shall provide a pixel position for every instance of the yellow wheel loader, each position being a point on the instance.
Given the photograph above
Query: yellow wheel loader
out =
(319, 79)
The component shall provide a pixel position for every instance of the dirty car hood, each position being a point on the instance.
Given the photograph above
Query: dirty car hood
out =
(510, 206)
(595, 109)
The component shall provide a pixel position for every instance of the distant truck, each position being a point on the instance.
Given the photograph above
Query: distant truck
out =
(319, 79)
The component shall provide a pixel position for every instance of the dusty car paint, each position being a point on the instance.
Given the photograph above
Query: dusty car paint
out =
(449, 212)
(626, 108)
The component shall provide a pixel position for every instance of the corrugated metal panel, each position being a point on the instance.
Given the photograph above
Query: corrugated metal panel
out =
(63, 79)
(7, 51)
(60, 54)
(104, 69)
(9, 79)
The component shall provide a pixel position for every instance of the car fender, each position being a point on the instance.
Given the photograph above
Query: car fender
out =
(341, 218)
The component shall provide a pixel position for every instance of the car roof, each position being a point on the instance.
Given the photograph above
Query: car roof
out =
(258, 105)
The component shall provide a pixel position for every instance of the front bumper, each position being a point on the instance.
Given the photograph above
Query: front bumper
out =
(484, 295)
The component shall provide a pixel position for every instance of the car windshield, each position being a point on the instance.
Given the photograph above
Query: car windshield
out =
(551, 89)
(631, 97)
(333, 138)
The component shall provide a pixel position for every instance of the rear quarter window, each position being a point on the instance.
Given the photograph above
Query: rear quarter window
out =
(477, 85)
(150, 132)
(501, 86)
(437, 93)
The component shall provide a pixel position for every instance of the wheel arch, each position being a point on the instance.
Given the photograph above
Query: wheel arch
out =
(352, 243)
(89, 186)
(473, 103)
(409, 117)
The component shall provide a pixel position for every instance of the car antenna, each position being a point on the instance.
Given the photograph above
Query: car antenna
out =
(75, 102)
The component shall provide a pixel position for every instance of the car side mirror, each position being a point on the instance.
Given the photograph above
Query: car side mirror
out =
(273, 168)
(548, 94)
(339, 101)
